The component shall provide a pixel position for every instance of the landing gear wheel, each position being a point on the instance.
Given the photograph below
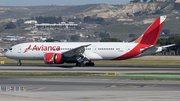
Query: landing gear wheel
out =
(80, 64)
(89, 64)
(19, 62)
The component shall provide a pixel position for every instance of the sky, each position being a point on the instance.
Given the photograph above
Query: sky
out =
(58, 2)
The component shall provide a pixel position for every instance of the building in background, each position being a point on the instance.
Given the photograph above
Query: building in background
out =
(30, 22)
(10, 38)
(177, 1)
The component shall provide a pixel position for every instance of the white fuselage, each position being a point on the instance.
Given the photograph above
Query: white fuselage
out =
(95, 51)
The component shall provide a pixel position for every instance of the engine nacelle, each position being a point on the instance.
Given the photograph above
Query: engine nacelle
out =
(58, 59)
(53, 58)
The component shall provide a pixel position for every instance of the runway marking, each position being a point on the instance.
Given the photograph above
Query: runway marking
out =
(40, 88)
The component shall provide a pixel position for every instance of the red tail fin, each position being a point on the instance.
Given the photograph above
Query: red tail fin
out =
(150, 36)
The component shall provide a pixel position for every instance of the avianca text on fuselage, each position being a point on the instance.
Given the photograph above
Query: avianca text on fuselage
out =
(43, 48)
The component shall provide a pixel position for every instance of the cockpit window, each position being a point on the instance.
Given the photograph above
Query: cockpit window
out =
(10, 48)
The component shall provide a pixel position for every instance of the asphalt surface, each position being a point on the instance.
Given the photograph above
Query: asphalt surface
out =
(47, 68)
(87, 83)
(89, 89)
(66, 88)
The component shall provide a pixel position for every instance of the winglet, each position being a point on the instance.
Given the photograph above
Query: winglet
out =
(150, 36)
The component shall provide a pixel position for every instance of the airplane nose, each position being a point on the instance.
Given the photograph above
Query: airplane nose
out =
(6, 54)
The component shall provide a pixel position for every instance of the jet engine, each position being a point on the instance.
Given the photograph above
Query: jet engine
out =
(53, 58)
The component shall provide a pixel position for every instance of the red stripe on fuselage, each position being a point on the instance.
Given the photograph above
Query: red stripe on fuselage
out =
(134, 52)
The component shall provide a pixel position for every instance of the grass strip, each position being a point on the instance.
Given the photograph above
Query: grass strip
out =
(153, 73)
(149, 79)
(149, 75)
(156, 79)
(48, 74)
(130, 62)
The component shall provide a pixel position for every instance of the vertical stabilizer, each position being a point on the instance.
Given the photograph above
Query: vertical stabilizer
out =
(150, 36)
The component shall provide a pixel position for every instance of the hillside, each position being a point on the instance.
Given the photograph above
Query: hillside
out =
(120, 18)
(34, 11)
(95, 10)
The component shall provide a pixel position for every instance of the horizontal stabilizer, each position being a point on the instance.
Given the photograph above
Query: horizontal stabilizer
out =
(168, 46)
(156, 47)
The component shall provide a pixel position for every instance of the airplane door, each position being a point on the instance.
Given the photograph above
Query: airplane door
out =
(128, 49)
(19, 48)
(94, 49)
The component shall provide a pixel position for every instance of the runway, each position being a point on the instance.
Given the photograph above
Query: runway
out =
(66, 83)
(89, 89)
(52, 68)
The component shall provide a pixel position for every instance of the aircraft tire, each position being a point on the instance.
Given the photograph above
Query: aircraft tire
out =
(80, 64)
(89, 64)
(19, 64)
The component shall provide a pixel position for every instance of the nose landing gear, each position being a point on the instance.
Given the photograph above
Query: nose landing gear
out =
(19, 62)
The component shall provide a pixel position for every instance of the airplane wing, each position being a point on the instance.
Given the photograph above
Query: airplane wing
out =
(76, 51)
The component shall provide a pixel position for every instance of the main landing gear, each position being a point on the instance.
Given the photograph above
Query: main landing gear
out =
(80, 64)
(86, 64)
(19, 62)
(89, 63)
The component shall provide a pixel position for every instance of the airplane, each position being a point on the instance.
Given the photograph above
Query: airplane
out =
(78, 52)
